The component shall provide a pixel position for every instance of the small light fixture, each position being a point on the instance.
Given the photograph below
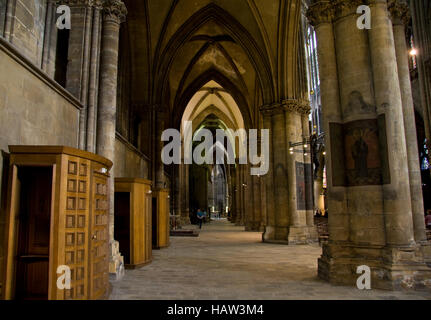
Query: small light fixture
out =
(305, 145)
(413, 52)
(324, 153)
(305, 154)
(291, 149)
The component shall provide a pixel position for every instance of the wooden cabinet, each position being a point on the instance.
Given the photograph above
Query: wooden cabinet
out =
(160, 218)
(57, 216)
(133, 201)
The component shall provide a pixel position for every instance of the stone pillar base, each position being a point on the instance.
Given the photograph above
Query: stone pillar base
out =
(290, 235)
(391, 268)
(253, 227)
(184, 221)
(116, 262)
(302, 235)
(277, 235)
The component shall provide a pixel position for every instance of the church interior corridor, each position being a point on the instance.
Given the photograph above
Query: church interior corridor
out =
(227, 263)
(299, 131)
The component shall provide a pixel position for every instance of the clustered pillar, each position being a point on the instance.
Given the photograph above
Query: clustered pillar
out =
(114, 12)
(288, 183)
(374, 192)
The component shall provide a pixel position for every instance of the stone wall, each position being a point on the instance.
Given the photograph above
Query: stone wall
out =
(34, 110)
(27, 28)
(2, 15)
(129, 162)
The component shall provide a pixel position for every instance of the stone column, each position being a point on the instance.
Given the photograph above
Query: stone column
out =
(263, 204)
(400, 16)
(114, 12)
(397, 201)
(93, 91)
(184, 193)
(370, 217)
(249, 200)
(241, 220)
(280, 176)
(161, 115)
(299, 231)
(277, 228)
(269, 226)
(9, 20)
(79, 58)
(257, 198)
(309, 213)
(50, 39)
(320, 15)
(422, 37)
(237, 191)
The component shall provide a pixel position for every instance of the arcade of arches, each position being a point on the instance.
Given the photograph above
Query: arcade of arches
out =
(347, 111)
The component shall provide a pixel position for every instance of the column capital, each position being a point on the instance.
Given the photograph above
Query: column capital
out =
(114, 10)
(399, 12)
(300, 106)
(271, 109)
(344, 8)
(80, 3)
(320, 12)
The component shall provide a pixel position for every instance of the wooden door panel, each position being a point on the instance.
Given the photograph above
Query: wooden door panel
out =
(99, 259)
(76, 226)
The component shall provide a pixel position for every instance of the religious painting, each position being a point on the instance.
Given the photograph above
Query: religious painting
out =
(362, 155)
(304, 187)
(359, 153)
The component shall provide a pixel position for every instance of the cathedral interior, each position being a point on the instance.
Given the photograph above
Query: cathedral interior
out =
(338, 110)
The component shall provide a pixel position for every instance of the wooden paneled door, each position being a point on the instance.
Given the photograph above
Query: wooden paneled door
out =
(99, 262)
(34, 218)
(76, 226)
(57, 216)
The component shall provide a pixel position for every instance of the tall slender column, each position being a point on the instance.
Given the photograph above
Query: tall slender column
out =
(263, 204)
(397, 200)
(269, 178)
(292, 123)
(94, 79)
(320, 15)
(237, 194)
(49, 39)
(257, 198)
(248, 200)
(161, 114)
(277, 229)
(114, 12)
(308, 172)
(299, 231)
(370, 215)
(9, 20)
(400, 16)
(422, 37)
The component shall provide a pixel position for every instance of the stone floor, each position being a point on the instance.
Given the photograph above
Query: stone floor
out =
(226, 263)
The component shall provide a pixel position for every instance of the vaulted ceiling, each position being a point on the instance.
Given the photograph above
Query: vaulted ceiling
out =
(249, 47)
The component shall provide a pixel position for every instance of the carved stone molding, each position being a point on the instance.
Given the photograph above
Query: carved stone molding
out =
(320, 12)
(114, 10)
(299, 106)
(271, 109)
(399, 12)
(80, 3)
(344, 8)
(291, 105)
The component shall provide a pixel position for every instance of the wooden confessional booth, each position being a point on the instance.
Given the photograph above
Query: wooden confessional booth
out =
(133, 202)
(160, 217)
(57, 215)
